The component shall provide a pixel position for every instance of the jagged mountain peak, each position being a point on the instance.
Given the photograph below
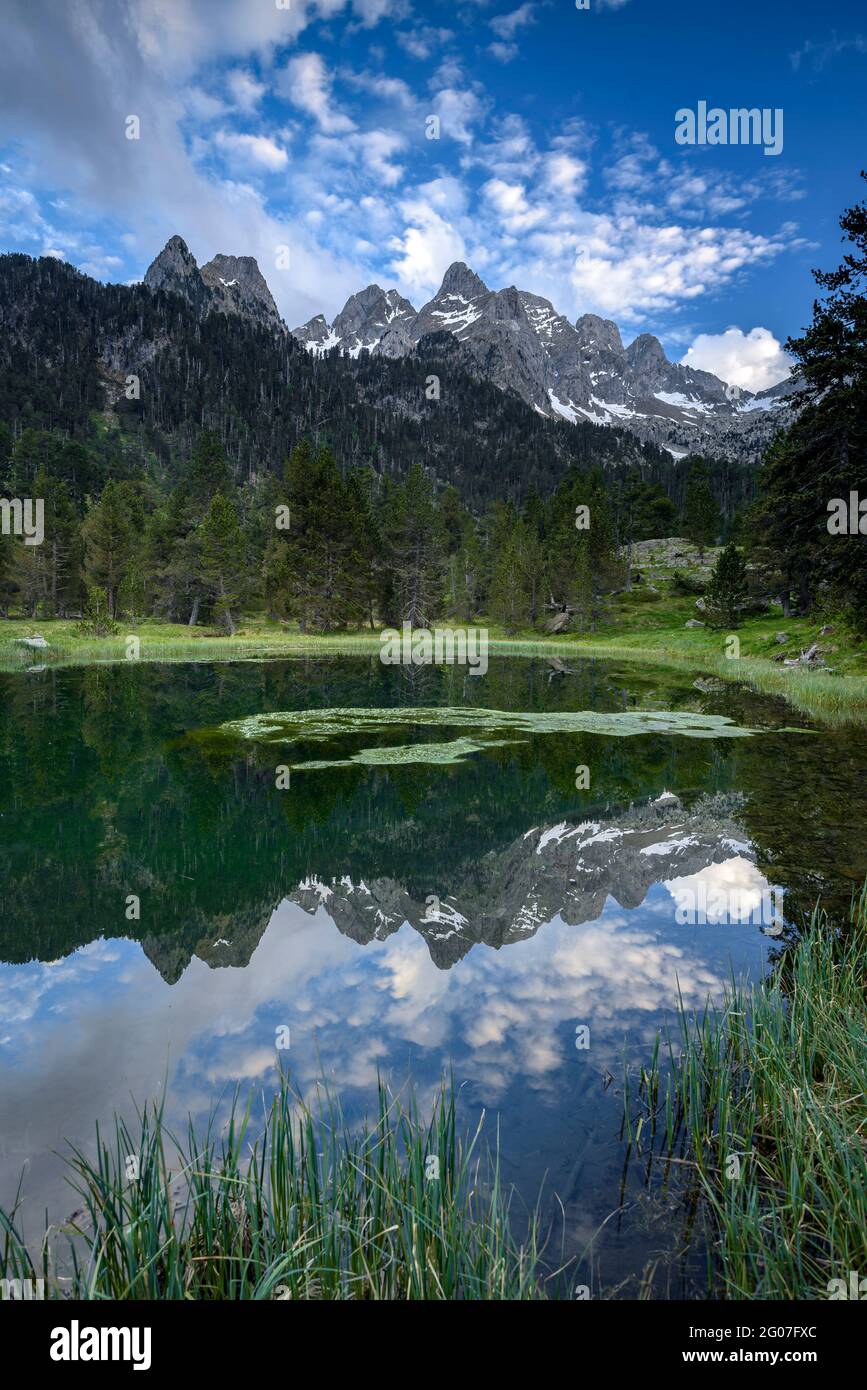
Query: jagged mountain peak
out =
(374, 300)
(176, 244)
(174, 265)
(460, 280)
(646, 349)
(599, 333)
(227, 284)
(240, 287)
(371, 294)
(371, 320)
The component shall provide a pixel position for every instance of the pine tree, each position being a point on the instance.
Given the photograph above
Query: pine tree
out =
(509, 599)
(62, 546)
(727, 588)
(811, 470)
(96, 620)
(6, 443)
(567, 551)
(8, 587)
(132, 596)
(701, 519)
(223, 561)
(170, 559)
(322, 544)
(466, 576)
(111, 531)
(47, 576)
(530, 558)
(452, 516)
(365, 567)
(207, 474)
(417, 551)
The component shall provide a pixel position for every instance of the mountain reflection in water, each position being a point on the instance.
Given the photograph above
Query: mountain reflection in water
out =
(365, 907)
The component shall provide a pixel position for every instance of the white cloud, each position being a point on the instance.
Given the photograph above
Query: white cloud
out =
(564, 174)
(623, 266)
(378, 147)
(371, 150)
(180, 34)
(203, 106)
(307, 83)
(258, 149)
(459, 109)
(511, 152)
(820, 54)
(370, 12)
(429, 242)
(510, 201)
(505, 26)
(503, 52)
(246, 90)
(421, 43)
(732, 890)
(753, 360)
(391, 90)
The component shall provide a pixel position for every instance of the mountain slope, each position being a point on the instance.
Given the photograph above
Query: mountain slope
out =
(69, 344)
(519, 341)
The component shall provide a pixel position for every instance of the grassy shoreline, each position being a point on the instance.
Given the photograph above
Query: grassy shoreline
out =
(838, 697)
(765, 1102)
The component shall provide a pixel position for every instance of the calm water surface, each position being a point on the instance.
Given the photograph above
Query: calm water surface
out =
(416, 896)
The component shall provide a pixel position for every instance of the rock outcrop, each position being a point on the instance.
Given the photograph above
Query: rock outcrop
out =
(227, 284)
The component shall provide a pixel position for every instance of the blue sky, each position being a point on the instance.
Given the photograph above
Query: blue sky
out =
(306, 127)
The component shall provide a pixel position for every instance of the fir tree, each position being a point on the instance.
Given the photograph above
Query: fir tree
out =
(111, 531)
(8, 587)
(223, 561)
(701, 518)
(96, 620)
(509, 599)
(417, 552)
(810, 471)
(171, 562)
(727, 588)
(47, 576)
(207, 474)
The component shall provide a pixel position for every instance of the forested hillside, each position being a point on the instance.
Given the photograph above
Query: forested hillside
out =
(193, 465)
(68, 345)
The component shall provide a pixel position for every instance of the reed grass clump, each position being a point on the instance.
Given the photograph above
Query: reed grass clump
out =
(307, 1209)
(766, 1100)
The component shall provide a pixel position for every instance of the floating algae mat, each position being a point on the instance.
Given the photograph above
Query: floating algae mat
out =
(479, 729)
(442, 753)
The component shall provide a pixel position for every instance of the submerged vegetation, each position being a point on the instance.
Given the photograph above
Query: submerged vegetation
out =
(765, 1098)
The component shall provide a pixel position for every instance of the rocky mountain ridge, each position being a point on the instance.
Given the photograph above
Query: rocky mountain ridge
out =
(520, 343)
(227, 284)
(222, 361)
(580, 371)
(566, 870)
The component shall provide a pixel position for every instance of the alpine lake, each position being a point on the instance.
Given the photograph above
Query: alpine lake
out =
(345, 870)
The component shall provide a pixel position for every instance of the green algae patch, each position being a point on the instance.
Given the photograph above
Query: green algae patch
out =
(321, 725)
(441, 754)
